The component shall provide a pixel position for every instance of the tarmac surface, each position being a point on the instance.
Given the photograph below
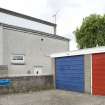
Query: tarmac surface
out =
(51, 97)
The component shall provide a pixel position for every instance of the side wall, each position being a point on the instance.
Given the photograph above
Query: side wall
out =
(1, 45)
(87, 69)
(3, 68)
(35, 50)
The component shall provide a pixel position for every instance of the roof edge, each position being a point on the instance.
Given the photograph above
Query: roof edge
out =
(40, 33)
(26, 17)
(80, 52)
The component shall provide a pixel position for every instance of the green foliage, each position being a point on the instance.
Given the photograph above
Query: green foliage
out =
(92, 32)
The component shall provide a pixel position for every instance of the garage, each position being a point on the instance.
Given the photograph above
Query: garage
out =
(80, 70)
(70, 73)
(98, 75)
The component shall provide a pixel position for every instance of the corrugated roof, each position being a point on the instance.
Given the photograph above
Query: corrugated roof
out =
(79, 52)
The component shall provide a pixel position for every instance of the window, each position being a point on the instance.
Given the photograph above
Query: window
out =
(17, 59)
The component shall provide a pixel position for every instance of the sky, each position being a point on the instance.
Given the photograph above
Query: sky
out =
(70, 13)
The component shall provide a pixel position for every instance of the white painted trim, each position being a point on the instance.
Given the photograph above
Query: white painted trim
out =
(80, 52)
(91, 76)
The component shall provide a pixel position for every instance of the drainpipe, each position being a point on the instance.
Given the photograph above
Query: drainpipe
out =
(55, 29)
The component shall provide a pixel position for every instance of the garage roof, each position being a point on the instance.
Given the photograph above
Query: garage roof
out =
(79, 52)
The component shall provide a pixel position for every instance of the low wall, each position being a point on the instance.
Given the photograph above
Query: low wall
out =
(27, 83)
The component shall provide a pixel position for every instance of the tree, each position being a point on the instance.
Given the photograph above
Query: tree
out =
(92, 32)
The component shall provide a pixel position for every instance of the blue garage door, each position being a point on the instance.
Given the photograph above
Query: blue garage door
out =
(70, 73)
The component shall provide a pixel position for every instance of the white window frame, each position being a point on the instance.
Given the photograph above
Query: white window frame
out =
(15, 59)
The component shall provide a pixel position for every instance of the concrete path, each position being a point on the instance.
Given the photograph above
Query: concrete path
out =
(52, 97)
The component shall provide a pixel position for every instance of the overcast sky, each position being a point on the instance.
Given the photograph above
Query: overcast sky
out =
(70, 12)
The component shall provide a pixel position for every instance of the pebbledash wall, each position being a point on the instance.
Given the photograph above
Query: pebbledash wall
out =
(36, 50)
(32, 41)
(80, 70)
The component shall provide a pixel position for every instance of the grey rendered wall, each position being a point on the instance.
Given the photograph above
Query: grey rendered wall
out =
(87, 69)
(53, 69)
(1, 45)
(3, 68)
(36, 52)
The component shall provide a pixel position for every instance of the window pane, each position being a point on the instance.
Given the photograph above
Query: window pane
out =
(17, 57)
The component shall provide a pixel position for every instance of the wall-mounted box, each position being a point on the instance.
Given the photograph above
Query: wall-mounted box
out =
(38, 70)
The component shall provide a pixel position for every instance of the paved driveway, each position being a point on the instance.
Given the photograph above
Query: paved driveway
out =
(52, 97)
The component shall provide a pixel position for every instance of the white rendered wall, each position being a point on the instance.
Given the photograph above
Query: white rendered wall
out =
(25, 23)
(36, 52)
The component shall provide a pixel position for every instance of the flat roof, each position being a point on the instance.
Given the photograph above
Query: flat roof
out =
(26, 17)
(79, 52)
(39, 33)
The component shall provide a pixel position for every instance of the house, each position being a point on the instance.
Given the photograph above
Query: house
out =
(25, 45)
